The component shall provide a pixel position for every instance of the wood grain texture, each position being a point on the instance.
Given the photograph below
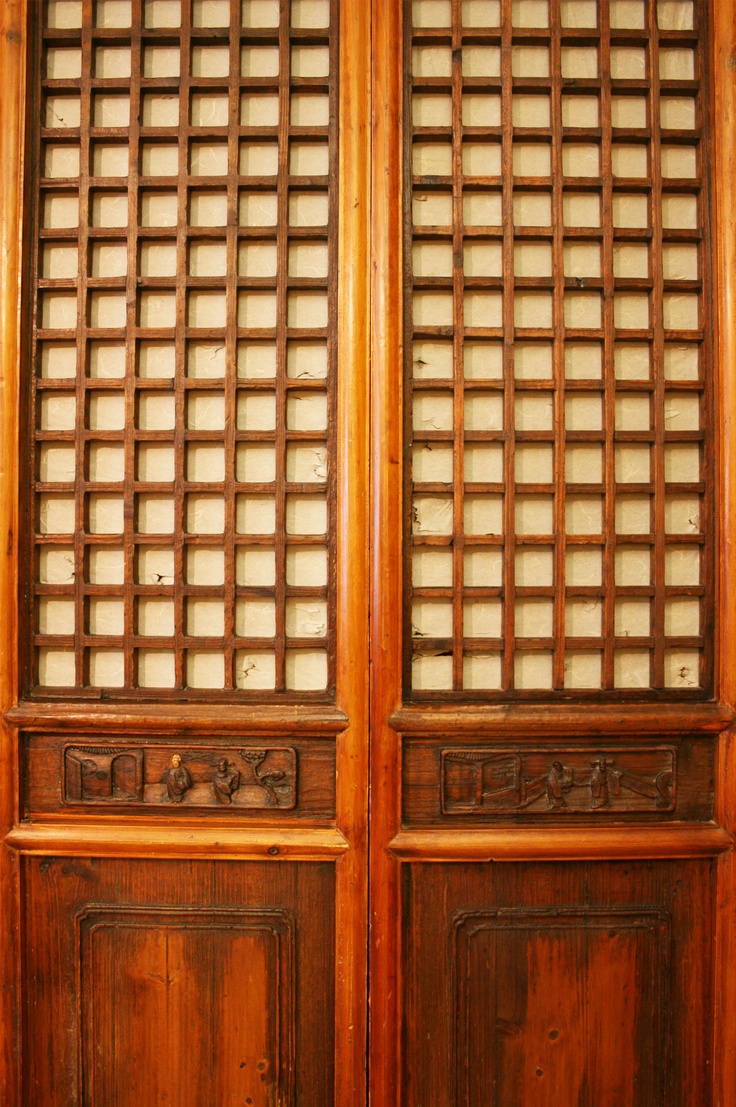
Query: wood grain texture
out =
(219, 982)
(576, 946)
(555, 720)
(492, 782)
(59, 774)
(559, 973)
(141, 838)
(387, 111)
(723, 66)
(561, 843)
(353, 545)
(13, 44)
(545, 1010)
(167, 963)
(194, 719)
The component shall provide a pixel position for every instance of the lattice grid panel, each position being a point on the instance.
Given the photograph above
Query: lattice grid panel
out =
(559, 519)
(182, 506)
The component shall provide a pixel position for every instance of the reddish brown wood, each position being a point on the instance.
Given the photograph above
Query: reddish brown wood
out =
(165, 909)
(602, 842)
(166, 962)
(277, 780)
(547, 984)
(723, 84)
(182, 839)
(467, 785)
(222, 961)
(387, 520)
(320, 749)
(353, 530)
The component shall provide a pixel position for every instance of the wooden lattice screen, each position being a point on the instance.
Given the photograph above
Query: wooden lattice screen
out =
(558, 354)
(181, 510)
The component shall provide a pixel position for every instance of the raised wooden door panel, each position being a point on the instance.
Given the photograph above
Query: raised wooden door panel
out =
(556, 683)
(181, 982)
(548, 984)
(184, 698)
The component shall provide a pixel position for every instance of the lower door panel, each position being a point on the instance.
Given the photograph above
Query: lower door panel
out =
(575, 985)
(180, 982)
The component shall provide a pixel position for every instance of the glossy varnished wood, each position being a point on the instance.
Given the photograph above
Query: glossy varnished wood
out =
(723, 64)
(549, 984)
(386, 526)
(192, 981)
(142, 839)
(613, 853)
(571, 958)
(13, 42)
(562, 844)
(325, 857)
(353, 544)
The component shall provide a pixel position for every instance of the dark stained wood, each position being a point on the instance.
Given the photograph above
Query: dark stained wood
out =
(465, 785)
(192, 980)
(59, 776)
(558, 984)
(563, 1021)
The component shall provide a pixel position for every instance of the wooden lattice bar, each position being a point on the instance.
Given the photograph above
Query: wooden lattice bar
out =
(181, 506)
(558, 349)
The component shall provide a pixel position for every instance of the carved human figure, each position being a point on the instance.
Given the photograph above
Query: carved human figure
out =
(178, 780)
(557, 782)
(225, 782)
(599, 784)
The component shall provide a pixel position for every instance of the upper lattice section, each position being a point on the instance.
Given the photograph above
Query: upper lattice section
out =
(559, 524)
(183, 353)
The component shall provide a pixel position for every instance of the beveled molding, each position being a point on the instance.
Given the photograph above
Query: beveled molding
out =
(540, 720)
(97, 718)
(145, 838)
(563, 843)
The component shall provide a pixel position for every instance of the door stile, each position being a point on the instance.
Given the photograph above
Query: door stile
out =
(13, 24)
(353, 552)
(386, 569)
(723, 99)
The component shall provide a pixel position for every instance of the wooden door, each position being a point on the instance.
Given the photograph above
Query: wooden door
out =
(316, 310)
(185, 767)
(550, 869)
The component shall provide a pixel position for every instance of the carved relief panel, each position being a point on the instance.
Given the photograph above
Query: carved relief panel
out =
(246, 778)
(290, 777)
(487, 781)
(566, 780)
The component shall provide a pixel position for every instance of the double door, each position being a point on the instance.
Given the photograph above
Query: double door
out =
(366, 663)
